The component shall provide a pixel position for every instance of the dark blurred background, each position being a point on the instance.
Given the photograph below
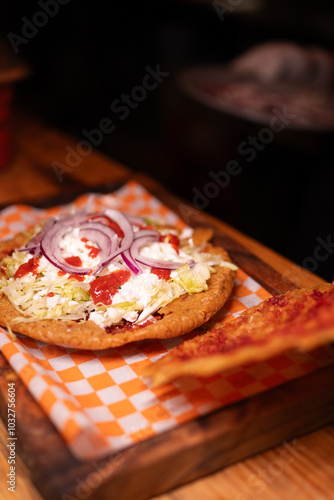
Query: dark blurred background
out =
(90, 53)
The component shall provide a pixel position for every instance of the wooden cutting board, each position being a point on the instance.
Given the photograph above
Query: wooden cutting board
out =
(191, 450)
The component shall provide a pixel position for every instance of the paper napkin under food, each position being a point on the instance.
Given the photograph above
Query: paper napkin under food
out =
(97, 399)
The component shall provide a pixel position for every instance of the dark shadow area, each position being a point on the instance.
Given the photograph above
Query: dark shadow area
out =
(122, 61)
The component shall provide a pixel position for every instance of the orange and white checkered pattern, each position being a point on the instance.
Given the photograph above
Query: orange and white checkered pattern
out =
(97, 399)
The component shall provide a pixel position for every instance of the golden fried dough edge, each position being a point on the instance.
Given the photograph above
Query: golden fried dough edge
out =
(169, 368)
(179, 317)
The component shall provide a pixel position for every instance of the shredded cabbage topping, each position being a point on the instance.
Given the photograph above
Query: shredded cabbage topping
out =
(49, 294)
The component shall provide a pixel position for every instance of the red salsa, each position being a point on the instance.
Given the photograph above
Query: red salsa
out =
(93, 251)
(77, 277)
(74, 261)
(28, 267)
(108, 222)
(104, 288)
(163, 274)
(172, 240)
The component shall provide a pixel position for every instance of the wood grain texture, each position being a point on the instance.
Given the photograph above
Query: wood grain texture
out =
(301, 468)
(31, 176)
(199, 447)
(181, 455)
(24, 489)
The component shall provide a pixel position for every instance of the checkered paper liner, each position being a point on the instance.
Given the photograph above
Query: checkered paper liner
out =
(97, 399)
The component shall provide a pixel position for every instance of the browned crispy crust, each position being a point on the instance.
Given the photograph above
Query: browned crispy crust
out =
(179, 317)
(301, 318)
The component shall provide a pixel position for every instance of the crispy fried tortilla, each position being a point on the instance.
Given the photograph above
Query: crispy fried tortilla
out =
(298, 319)
(177, 318)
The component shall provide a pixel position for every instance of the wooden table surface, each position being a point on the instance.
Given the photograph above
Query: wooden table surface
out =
(309, 472)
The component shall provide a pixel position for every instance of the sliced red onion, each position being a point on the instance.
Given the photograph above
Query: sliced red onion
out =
(131, 263)
(73, 219)
(52, 252)
(150, 234)
(125, 242)
(103, 236)
(29, 248)
(124, 224)
(47, 242)
(33, 244)
(144, 237)
(137, 221)
(65, 221)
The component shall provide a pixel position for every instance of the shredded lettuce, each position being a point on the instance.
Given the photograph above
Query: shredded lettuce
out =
(192, 279)
(50, 296)
(47, 299)
(13, 262)
(10, 331)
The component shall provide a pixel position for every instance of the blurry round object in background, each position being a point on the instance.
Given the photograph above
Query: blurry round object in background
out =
(275, 75)
(283, 62)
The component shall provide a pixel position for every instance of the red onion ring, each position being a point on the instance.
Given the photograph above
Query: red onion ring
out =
(124, 224)
(33, 244)
(130, 262)
(144, 237)
(47, 242)
(104, 237)
(126, 241)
